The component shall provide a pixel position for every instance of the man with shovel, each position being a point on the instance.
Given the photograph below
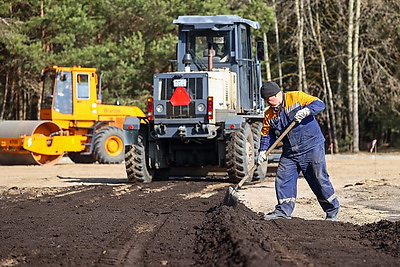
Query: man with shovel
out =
(303, 149)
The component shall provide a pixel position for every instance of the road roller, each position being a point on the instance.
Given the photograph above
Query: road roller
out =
(73, 121)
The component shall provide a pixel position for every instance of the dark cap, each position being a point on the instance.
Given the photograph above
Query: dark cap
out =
(269, 89)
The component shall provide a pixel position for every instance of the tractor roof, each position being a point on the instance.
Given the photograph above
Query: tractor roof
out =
(210, 21)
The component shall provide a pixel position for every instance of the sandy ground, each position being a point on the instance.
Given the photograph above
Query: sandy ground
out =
(368, 185)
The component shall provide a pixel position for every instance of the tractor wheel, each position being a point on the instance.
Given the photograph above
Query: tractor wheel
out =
(76, 157)
(261, 171)
(136, 162)
(109, 145)
(230, 158)
(240, 153)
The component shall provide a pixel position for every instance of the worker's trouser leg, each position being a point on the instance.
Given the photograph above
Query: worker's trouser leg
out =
(314, 170)
(313, 166)
(286, 185)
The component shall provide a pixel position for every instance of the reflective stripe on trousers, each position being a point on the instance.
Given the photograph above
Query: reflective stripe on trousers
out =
(313, 166)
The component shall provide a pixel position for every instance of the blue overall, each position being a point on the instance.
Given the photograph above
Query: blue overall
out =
(303, 150)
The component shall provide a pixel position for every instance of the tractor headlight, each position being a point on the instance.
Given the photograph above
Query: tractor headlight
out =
(201, 107)
(159, 108)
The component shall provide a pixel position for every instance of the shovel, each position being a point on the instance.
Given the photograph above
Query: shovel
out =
(231, 197)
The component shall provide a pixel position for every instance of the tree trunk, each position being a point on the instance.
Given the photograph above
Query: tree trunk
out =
(300, 45)
(356, 147)
(19, 98)
(3, 105)
(277, 45)
(350, 87)
(39, 100)
(328, 115)
(266, 57)
(24, 100)
(341, 94)
(45, 44)
(325, 78)
(11, 113)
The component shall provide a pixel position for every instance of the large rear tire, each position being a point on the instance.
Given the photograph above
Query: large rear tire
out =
(240, 155)
(109, 145)
(136, 162)
(261, 171)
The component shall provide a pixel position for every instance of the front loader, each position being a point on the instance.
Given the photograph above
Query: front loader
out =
(209, 112)
(73, 120)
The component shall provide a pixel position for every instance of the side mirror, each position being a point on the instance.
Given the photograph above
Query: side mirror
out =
(260, 51)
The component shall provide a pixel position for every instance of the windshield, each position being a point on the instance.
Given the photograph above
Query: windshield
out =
(201, 42)
(63, 92)
(48, 86)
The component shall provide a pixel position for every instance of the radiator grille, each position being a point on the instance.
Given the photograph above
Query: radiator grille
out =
(180, 111)
(194, 89)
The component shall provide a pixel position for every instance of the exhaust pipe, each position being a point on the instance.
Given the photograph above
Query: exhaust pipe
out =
(210, 59)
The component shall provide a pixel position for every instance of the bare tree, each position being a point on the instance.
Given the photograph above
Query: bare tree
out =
(300, 45)
(325, 78)
(266, 57)
(277, 44)
(3, 105)
(356, 147)
(350, 88)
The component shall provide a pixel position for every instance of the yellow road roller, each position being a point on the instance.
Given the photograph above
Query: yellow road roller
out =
(72, 120)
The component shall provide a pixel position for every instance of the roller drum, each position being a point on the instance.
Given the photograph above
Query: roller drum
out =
(17, 129)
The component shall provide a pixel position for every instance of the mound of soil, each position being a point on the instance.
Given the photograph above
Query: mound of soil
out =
(239, 238)
(173, 223)
(383, 235)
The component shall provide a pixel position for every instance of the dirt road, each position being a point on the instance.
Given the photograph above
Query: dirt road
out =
(368, 188)
(87, 215)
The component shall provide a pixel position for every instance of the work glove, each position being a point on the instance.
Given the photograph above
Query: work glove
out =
(301, 114)
(262, 156)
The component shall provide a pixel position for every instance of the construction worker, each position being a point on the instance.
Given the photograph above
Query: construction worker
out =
(303, 149)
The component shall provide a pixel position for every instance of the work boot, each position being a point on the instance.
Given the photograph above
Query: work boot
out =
(275, 215)
(332, 216)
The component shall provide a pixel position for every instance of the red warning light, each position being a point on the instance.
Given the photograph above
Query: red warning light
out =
(150, 108)
(210, 109)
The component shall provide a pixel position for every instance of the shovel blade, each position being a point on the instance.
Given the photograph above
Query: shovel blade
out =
(231, 197)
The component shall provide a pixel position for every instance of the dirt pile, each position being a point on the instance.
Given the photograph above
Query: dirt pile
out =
(233, 237)
(383, 235)
(239, 238)
(173, 223)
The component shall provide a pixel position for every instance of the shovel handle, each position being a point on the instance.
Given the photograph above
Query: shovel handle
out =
(291, 125)
(251, 171)
(278, 140)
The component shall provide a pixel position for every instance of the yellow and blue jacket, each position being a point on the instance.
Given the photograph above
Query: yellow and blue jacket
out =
(304, 136)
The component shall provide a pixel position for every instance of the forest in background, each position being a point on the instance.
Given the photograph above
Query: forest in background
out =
(344, 52)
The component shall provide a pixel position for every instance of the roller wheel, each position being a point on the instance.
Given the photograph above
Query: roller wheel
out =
(240, 153)
(136, 162)
(261, 171)
(16, 129)
(78, 158)
(109, 145)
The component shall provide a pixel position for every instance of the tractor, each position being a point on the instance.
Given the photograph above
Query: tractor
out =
(209, 113)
